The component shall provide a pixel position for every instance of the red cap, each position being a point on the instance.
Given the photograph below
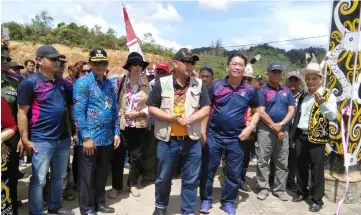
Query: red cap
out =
(62, 58)
(162, 66)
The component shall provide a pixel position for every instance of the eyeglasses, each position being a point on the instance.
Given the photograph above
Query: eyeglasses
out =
(248, 79)
(100, 63)
(53, 59)
(137, 64)
(188, 62)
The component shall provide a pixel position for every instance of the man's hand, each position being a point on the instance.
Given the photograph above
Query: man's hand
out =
(319, 98)
(183, 120)
(116, 141)
(131, 115)
(245, 134)
(292, 144)
(203, 140)
(281, 135)
(277, 127)
(20, 148)
(29, 146)
(88, 146)
(174, 117)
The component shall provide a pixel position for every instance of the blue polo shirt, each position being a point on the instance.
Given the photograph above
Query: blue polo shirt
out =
(48, 100)
(276, 102)
(228, 114)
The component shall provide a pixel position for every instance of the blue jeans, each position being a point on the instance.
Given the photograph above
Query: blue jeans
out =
(212, 153)
(56, 152)
(168, 156)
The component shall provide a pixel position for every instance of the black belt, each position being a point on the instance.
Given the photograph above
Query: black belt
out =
(182, 138)
(303, 132)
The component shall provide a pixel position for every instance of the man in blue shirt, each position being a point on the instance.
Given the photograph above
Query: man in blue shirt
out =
(95, 115)
(227, 131)
(44, 97)
(276, 110)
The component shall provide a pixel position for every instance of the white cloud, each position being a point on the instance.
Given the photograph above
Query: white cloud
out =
(215, 4)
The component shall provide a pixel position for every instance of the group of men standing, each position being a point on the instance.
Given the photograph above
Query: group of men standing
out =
(194, 122)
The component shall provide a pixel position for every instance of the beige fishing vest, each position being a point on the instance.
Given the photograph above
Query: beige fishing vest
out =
(162, 129)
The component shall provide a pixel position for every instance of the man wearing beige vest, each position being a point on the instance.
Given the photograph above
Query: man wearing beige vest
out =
(179, 103)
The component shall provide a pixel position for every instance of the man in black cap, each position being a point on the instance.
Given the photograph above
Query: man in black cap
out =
(258, 83)
(277, 109)
(179, 103)
(95, 116)
(43, 99)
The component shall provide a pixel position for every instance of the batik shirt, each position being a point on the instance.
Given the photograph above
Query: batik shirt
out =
(95, 110)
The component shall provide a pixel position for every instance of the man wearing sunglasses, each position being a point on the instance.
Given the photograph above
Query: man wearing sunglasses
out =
(179, 103)
(44, 97)
(96, 118)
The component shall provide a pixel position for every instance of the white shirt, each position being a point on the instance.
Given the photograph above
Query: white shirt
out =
(328, 108)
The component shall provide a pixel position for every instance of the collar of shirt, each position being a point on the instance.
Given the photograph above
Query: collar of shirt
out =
(225, 83)
(139, 80)
(45, 79)
(96, 79)
(178, 86)
(272, 88)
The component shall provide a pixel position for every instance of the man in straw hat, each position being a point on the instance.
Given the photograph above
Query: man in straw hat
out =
(310, 132)
(95, 116)
(179, 103)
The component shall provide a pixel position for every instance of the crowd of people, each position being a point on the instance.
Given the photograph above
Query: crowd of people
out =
(167, 121)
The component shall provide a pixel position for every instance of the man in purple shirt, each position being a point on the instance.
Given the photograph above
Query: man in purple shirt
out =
(276, 110)
(43, 98)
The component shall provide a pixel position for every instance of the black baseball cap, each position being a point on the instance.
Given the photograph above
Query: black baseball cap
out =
(275, 66)
(47, 51)
(259, 77)
(208, 68)
(185, 55)
(98, 54)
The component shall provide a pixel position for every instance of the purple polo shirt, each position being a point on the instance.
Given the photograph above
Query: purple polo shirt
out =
(48, 100)
(276, 102)
(230, 106)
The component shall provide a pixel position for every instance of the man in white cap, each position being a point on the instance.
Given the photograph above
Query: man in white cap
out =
(310, 132)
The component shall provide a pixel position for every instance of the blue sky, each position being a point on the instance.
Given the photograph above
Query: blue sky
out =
(192, 23)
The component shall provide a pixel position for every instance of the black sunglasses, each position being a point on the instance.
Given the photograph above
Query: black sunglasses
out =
(100, 63)
(54, 59)
(188, 62)
(248, 79)
(137, 64)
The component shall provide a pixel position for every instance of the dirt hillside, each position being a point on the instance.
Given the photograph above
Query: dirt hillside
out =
(21, 51)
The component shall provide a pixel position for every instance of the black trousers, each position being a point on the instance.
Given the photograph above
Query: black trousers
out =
(292, 170)
(248, 148)
(118, 166)
(14, 174)
(133, 140)
(93, 175)
(310, 156)
(150, 156)
(74, 166)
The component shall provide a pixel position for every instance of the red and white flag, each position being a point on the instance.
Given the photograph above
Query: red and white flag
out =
(132, 40)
